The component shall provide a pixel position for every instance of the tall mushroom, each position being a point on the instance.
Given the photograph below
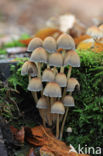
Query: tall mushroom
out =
(52, 90)
(42, 105)
(35, 85)
(34, 43)
(39, 55)
(57, 108)
(48, 75)
(68, 101)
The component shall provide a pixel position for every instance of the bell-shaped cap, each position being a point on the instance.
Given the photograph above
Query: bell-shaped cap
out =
(42, 103)
(29, 68)
(72, 59)
(72, 83)
(58, 108)
(52, 89)
(61, 79)
(95, 32)
(35, 85)
(56, 59)
(34, 43)
(48, 75)
(49, 44)
(66, 42)
(68, 101)
(39, 55)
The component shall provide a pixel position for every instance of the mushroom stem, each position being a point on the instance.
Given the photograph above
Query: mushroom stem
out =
(63, 123)
(57, 127)
(34, 94)
(64, 120)
(62, 68)
(68, 77)
(39, 69)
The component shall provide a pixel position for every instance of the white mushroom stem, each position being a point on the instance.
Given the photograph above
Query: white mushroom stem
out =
(39, 69)
(64, 120)
(62, 68)
(68, 77)
(34, 94)
(57, 127)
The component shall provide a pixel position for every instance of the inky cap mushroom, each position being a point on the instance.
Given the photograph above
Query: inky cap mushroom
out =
(68, 101)
(61, 79)
(72, 84)
(48, 75)
(58, 108)
(52, 89)
(72, 59)
(35, 85)
(56, 59)
(65, 42)
(42, 103)
(49, 44)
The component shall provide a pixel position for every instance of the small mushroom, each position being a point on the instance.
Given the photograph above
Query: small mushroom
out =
(72, 84)
(56, 60)
(42, 105)
(69, 130)
(61, 79)
(48, 75)
(29, 68)
(57, 108)
(39, 55)
(35, 85)
(34, 43)
(49, 44)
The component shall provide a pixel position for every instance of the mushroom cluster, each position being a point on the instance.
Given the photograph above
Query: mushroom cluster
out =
(50, 84)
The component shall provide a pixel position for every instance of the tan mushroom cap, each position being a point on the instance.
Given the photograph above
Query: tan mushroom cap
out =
(56, 59)
(68, 101)
(52, 89)
(72, 59)
(61, 79)
(49, 44)
(58, 108)
(39, 55)
(72, 84)
(29, 68)
(69, 130)
(42, 103)
(95, 32)
(48, 75)
(66, 42)
(35, 85)
(34, 43)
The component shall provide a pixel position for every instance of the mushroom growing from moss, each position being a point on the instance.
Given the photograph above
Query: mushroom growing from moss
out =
(57, 108)
(39, 55)
(72, 84)
(34, 43)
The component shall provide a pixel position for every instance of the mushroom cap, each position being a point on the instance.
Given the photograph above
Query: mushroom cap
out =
(39, 55)
(52, 89)
(35, 85)
(72, 84)
(68, 101)
(49, 44)
(66, 42)
(95, 32)
(72, 59)
(69, 130)
(56, 59)
(42, 103)
(48, 75)
(61, 79)
(29, 68)
(58, 108)
(34, 43)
